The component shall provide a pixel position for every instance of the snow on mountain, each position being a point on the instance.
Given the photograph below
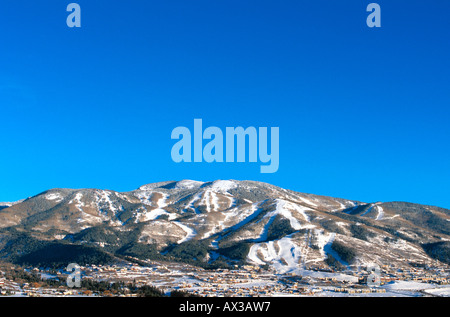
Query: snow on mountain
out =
(190, 233)
(223, 186)
(188, 184)
(284, 254)
(380, 212)
(9, 204)
(54, 196)
(5, 205)
(235, 221)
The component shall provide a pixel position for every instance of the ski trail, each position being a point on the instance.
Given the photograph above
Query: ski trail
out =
(190, 233)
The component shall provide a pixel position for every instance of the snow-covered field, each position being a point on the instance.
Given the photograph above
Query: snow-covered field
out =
(411, 288)
(441, 291)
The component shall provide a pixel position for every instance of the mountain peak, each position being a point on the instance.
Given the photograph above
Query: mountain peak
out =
(221, 185)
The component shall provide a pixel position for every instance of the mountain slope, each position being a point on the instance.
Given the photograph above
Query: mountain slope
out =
(228, 222)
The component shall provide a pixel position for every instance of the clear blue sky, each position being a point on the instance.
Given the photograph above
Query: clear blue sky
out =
(363, 113)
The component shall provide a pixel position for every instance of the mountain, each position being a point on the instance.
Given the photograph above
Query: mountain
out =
(4, 205)
(220, 223)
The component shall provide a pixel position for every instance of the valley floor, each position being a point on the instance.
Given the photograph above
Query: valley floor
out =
(245, 281)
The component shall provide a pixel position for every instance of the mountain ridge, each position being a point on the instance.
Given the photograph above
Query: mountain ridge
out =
(227, 222)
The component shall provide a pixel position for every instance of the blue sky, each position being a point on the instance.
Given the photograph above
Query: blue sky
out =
(363, 113)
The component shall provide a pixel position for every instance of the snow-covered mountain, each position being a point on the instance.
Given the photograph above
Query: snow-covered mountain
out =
(227, 222)
(4, 205)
